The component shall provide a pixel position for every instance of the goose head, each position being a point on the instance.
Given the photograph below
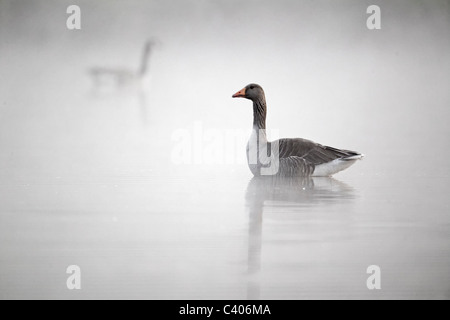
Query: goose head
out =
(252, 92)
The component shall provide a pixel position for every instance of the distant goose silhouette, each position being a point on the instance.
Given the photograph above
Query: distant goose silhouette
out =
(119, 77)
(288, 157)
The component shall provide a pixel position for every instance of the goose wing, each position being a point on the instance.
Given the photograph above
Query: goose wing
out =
(312, 153)
(294, 166)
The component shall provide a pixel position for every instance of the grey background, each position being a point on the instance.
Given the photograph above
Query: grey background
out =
(86, 177)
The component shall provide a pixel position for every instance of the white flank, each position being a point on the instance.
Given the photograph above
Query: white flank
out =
(335, 166)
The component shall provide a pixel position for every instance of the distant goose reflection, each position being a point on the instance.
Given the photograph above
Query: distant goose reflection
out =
(269, 193)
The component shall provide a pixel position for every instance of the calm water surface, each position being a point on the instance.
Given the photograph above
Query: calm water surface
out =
(225, 237)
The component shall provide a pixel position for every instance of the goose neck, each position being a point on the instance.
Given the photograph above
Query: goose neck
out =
(144, 61)
(259, 114)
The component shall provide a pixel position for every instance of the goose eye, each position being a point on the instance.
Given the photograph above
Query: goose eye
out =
(252, 87)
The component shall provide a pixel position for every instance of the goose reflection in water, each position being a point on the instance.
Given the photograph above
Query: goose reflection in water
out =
(266, 194)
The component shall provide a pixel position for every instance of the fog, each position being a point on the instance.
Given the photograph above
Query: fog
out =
(90, 173)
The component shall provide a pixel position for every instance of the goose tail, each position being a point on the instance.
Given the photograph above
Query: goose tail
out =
(337, 165)
(353, 157)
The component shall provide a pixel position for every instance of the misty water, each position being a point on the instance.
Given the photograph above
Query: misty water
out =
(141, 186)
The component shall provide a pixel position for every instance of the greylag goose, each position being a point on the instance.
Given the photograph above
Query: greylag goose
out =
(288, 157)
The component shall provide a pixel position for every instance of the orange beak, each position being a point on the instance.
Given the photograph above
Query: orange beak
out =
(239, 94)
